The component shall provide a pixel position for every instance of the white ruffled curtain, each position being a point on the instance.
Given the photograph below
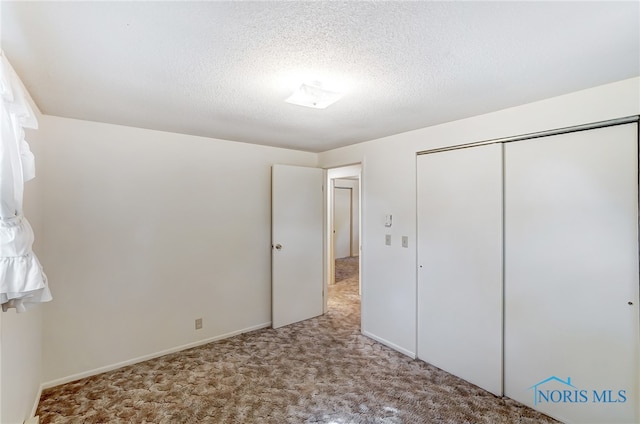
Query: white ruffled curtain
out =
(22, 281)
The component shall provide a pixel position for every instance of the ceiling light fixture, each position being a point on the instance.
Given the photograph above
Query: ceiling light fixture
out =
(313, 95)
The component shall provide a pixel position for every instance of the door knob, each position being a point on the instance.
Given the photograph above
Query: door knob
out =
(278, 246)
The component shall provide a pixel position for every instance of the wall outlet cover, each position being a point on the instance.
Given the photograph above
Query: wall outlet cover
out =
(387, 239)
(198, 323)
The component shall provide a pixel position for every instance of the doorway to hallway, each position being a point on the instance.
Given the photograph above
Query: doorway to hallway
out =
(344, 223)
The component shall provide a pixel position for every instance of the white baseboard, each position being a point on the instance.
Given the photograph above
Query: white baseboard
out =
(36, 401)
(143, 358)
(391, 345)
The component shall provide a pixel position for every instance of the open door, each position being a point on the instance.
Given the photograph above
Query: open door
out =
(297, 243)
(342, 222)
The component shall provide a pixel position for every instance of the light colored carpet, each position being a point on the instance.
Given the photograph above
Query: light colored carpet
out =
(318, 371)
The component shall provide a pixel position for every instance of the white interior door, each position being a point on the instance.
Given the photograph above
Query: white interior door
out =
(460, 263)
(342, 220)
(571, 275)
(297, 244)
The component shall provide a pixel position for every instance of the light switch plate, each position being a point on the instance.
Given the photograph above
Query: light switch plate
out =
(387, 239)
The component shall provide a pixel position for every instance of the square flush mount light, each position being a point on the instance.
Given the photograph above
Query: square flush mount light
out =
(313, 95)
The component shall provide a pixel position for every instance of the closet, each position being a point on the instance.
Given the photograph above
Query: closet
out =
(528, 269)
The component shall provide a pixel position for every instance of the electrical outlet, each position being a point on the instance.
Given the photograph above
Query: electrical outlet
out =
(198, 323)
(387, 239)
(405, 241)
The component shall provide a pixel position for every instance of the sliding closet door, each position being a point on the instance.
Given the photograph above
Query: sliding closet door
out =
(571, 275)
(460, 263)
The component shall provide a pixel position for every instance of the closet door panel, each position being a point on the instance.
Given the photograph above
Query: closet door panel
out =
(460, 263)
(571, 274)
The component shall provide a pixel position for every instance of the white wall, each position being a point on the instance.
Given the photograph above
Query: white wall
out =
(21, 347)
(21, 364)
(21, 334)
(389, 186)
(146, 231)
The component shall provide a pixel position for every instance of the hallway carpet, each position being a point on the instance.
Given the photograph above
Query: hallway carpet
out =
(318, 371)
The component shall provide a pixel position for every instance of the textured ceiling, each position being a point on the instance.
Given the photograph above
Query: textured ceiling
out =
(223, 69)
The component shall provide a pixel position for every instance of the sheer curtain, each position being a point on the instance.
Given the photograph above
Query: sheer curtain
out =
(22, 281)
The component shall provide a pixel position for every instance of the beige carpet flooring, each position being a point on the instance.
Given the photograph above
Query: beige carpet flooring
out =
(318, 371)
